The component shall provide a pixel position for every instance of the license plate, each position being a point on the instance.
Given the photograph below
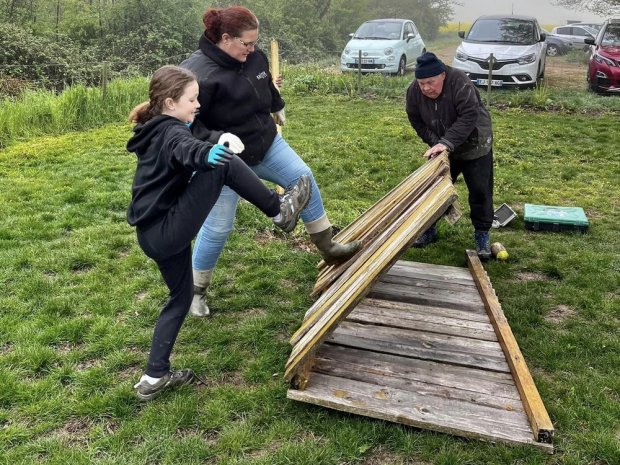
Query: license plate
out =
(366, 61)
(494, 82)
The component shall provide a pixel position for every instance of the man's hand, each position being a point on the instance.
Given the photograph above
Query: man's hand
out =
(234, 143)
(279, 117)
(434, 151)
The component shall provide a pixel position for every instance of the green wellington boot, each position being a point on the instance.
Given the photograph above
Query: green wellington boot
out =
(333, 252)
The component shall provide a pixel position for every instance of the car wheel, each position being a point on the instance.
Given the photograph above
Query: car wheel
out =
(402, 66)
(552, 50)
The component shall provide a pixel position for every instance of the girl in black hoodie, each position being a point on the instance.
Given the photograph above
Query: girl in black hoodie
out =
(178, 179)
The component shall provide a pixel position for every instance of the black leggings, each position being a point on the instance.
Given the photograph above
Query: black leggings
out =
(478, 175)
(168, 242)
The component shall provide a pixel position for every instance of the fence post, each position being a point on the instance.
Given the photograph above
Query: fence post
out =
(104, 79)
(491, 60)
(359, 73)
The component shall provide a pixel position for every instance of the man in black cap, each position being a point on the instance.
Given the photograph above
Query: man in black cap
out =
(446, 111)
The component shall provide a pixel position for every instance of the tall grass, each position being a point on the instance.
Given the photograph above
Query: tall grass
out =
(42, 112)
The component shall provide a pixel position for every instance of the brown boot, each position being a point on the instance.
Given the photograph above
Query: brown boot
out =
(333, 252)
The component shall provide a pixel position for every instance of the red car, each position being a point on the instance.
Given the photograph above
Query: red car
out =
(604, 66)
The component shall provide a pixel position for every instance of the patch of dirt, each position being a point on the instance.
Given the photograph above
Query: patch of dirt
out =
(75, 431)
(264, 236)
(253, 312)
(527, 276)
(141, 296)
(234, 378)
(5, 348)
(560, 313)
(382, 457)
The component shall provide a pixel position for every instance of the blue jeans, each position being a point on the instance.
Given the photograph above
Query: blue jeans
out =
(282, 166)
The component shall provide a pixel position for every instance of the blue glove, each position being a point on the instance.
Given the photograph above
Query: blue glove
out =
(219, 155)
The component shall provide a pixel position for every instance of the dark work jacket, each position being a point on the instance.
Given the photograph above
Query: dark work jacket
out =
(457, 118)
(235, 97)
(167, 154)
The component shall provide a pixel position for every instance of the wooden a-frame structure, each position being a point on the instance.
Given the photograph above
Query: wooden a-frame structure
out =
(419, 344)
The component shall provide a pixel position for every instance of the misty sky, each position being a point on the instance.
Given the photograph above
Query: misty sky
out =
(544, 10)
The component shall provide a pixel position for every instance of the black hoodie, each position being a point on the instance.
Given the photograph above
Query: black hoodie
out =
(235, 97)
(167, 154)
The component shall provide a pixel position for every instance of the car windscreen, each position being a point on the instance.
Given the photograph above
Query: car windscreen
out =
(611, 36)
(502, 31)
(379, 30)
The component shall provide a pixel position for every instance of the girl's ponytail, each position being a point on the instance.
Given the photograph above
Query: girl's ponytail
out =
(141, 113)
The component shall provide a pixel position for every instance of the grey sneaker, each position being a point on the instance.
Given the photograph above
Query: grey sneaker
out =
(146, 391)
(293, 202)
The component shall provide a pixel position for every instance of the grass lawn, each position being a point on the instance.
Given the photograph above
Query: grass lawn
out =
(80, 299)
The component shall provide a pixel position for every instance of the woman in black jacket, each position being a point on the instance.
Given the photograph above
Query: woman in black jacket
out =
(238, 96)
(177, 181)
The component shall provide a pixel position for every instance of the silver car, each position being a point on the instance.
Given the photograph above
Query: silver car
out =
(576, 35)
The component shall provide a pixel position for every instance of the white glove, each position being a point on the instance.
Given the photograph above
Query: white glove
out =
(234, 143)
(279, 117)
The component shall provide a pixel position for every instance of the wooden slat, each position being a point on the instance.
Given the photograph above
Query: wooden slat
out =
(462, 289)
(403, 293)
(425, 371)
(428, 323)
(417, 345)
(427, 309)
(358, 372)
(534, 407)
(425, 411)
(448, 273)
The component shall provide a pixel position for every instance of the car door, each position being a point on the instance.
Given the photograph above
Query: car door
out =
(414, 46)
(567, 33)
(580, 35)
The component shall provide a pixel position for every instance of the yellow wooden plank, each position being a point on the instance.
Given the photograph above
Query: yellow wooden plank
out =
(532, 402)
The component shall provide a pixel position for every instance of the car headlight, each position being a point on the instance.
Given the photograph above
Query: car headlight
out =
(461, 56)
(346, 51)
(601, 59)
(388, 51)
(525, 59)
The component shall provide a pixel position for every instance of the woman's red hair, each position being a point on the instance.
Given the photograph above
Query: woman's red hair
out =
(234, 20)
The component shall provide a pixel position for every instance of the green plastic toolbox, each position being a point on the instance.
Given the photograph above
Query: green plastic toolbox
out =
(548, 218)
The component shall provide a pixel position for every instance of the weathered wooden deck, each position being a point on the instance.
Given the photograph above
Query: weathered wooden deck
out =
(421, 350)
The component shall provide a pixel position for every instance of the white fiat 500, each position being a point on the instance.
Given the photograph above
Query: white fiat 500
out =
(518, 47)
(385, 45)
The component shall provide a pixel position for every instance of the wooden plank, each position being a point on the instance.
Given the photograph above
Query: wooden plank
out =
(361, 373)
(429, 340)
(534, 407)
(425, 371)
(403, 293)
(427, 309)
(425, 411)
(420, 283)
(426, 323)
(419, 349)
(450, 273)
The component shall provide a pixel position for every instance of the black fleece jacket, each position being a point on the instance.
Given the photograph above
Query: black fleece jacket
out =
(167, 154)
(457, 118)
(235, 97)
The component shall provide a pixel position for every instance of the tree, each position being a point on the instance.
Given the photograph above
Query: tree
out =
(600, 7)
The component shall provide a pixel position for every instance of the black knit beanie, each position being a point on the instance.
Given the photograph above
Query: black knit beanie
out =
(428, 65)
